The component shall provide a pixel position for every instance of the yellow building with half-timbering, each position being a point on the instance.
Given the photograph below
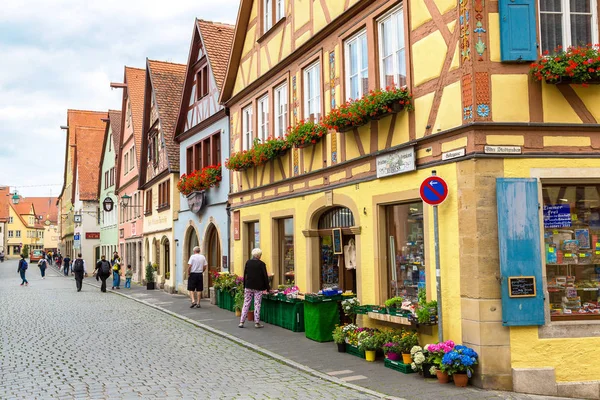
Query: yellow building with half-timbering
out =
(519, 228)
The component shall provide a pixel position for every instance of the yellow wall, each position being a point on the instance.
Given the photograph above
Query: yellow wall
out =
(574, 359)
(363, 198)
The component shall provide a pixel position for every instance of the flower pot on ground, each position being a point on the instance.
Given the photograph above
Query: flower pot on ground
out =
(370, 355)
(406, 358)
(442, 376)
(460, 360)
(339, 337)
(149, 277)
(341, 347)
(370, 340)
(426, 371)
(394, 356)
(419, 357)
(238, 313)
(150, 285)
(460, 380)
(251, 315)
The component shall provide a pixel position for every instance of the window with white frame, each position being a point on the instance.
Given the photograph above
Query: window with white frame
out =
(392, 62)
(357, 66)
(279, 9)
(281, 110)
(247, 128)
(312, 92)
(263, 118)
(567, 23)
(126, 159)
(10, 234)
(131, 158)
(268, 13)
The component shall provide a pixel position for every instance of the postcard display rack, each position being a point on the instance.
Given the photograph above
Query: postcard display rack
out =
(573, 266)
(410, 261)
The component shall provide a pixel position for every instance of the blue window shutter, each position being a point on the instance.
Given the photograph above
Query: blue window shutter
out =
(518, 30)
(520, 248)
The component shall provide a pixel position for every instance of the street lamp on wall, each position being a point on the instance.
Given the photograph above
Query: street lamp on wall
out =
(15, 198)
(125, 202)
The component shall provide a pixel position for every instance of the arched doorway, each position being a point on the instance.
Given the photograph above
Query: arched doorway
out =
(166, 257)
(337, 266)
(156, 256)
(212, 251)
(191, 241)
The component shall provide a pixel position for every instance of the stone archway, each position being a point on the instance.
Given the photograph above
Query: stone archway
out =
(212, 251)
(165, 257)
(316, 210)
(190, 241)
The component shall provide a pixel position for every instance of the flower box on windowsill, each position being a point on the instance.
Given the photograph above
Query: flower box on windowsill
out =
(306, 144)
(567, 80)
(396, 108)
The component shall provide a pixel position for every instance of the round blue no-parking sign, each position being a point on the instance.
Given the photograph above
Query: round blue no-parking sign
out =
(434, 190)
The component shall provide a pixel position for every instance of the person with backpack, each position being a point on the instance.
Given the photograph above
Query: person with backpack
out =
(21, 270)
(79, 270)
(66, 265)
(43, 264)
(102, 272)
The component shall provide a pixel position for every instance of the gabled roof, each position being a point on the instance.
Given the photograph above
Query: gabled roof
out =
(88, 155)
(115, 123)
(237, 47)
(217, 38)
(45, 207)
(135, 81)
(165, 80)
(26, 208)
(5, 198)
(76, 119)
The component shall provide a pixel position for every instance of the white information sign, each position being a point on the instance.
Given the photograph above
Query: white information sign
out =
(502, 149)
(397, 162)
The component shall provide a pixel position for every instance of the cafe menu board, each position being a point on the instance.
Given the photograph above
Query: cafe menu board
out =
(557, 216)
(521, 286)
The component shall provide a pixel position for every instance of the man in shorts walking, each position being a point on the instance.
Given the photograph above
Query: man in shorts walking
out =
(196, 267)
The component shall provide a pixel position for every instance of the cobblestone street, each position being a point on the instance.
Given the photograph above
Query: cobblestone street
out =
(57, 343)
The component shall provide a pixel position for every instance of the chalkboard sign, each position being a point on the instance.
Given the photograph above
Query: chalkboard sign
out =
(337, 241)
(521, 286)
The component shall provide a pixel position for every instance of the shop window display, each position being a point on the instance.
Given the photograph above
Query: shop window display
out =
(406, 250)
(286, 231)
(572, 250)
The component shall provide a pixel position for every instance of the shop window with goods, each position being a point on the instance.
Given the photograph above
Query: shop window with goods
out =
(253, 236)
(338, 250)
(406, 250)
(572, 250)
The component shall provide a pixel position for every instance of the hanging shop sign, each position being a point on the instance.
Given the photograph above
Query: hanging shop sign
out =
(434, 190)
(557, 216)
(398, 162)
(108, 204)
(77, 218)
(92, 235)
(196, 200)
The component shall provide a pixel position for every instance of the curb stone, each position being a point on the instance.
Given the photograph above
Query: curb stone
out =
(251, 346)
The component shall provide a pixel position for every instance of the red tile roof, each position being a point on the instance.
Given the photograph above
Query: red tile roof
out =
(115, 123)
(136, 82)
(5, 199)
(217, 38)
(167, 82)
(45, 207)
(88, 154)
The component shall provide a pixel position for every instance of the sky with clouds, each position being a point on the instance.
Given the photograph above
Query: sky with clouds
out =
(61, 54)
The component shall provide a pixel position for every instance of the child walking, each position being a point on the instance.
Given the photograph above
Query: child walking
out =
(128, 275)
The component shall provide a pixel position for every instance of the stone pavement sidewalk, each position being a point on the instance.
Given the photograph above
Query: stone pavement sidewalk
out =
(295, 349)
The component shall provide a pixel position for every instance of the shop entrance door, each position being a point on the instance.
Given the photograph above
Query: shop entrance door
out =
(213, 252)
(337, 270)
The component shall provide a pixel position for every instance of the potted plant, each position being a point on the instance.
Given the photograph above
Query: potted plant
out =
(149, 277)
(459, 363)
(339, 337)
(238, 301)
(407, 342)
(369, 342)
(393, 304)
(436, 354)
(420, 364)
(349, 306)
(393, 351)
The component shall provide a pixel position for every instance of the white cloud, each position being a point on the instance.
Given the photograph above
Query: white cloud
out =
(63, 54)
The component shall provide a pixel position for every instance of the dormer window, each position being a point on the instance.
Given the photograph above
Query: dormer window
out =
(202, 82)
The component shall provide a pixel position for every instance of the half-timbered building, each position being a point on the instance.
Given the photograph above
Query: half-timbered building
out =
(202, 132)
(159, 167)
(519, 157)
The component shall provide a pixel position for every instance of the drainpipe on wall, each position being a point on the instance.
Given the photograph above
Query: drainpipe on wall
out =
(229, 259)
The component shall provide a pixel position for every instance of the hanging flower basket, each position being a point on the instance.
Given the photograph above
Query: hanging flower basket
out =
(372, 106)
(575, 65)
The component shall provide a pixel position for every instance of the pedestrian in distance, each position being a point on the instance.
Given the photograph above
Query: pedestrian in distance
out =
(59, 260)
(43, 264)
(2, 256)
(66, 265)
(79, 270)
(21, 269)
(128, 276)
(49, 254)
(256, 282)
(102, 272)
(116, 270)
(196, 266)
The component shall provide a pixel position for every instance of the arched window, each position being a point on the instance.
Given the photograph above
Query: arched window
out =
(337, 217)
